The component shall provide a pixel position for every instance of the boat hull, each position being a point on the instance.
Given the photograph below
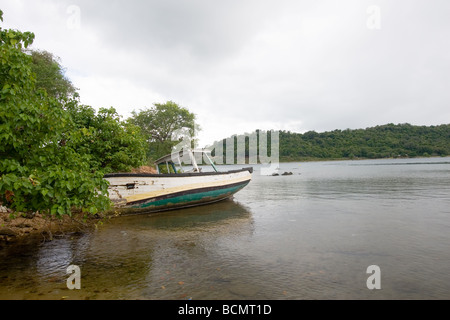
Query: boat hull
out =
(134, 193)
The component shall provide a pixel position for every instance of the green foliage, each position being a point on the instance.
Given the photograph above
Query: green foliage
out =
(50, 75)
(159, 123)
(110, 145)
(38, 171)
(54, 151)
(15, 72)
(385, 141)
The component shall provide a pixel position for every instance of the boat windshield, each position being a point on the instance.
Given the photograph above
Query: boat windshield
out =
(169, 163)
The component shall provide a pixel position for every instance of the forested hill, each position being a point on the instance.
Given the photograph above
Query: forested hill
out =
(385, 141)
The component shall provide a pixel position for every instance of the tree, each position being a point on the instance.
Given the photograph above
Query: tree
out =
(37, 171)
(112, 145)
(159, 123)
(50, 75)
(383, 141)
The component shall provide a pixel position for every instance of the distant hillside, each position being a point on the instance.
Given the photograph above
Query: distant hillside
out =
(384, 141)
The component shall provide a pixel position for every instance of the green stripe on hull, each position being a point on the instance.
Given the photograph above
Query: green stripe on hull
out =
(190, 199)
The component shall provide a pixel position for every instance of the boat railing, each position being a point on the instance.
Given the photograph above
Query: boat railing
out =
(170, 161)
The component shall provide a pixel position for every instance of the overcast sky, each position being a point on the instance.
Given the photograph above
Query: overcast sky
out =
(253, 64)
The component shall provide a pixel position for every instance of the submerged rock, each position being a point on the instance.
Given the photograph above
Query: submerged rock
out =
(283, 174)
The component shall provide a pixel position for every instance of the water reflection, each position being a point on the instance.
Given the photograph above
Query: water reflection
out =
(310, 235)
(208, 215)
(129, 257)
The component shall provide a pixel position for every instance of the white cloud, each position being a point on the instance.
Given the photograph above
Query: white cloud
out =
(245, 65)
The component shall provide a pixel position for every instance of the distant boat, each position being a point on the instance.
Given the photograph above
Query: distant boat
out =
(147, 192)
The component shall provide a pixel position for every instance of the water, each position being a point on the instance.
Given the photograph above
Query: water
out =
(310, 235)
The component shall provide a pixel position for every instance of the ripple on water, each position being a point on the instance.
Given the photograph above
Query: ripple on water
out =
(306, 236)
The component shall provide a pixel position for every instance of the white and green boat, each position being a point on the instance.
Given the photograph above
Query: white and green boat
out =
(174, 189)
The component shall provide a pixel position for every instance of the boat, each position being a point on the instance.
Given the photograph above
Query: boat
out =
(171, 188)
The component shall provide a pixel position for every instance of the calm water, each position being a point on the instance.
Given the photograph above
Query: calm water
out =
(310, 235)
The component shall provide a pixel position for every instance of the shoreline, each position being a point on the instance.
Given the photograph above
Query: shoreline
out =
(41, 228)
(44, 228)
(357, 159)
(335, 159)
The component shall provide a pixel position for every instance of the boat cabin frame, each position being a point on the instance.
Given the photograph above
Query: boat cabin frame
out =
(171, 161)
